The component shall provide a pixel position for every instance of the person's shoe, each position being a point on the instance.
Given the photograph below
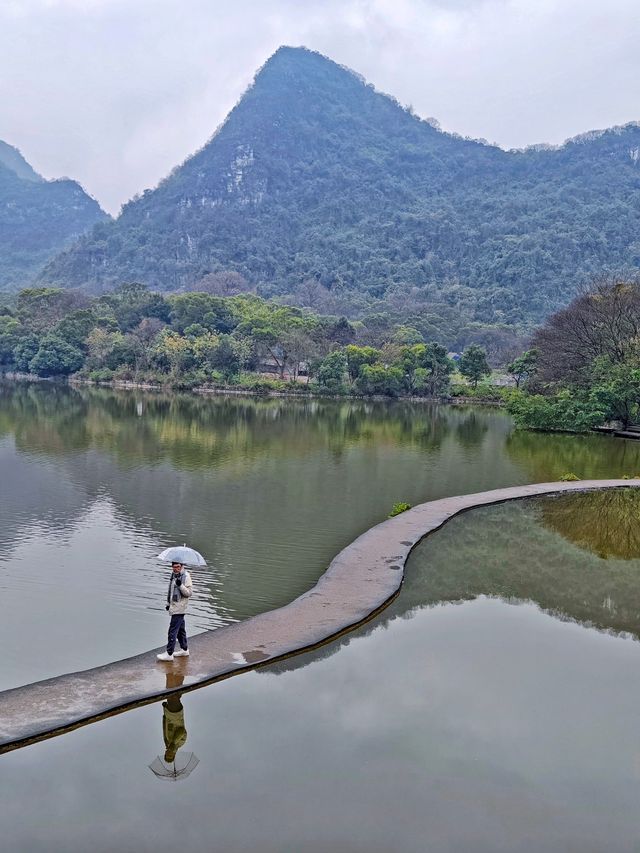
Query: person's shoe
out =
(181, 653)
(164, 656)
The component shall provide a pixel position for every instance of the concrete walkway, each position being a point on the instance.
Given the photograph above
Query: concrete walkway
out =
(359, 581)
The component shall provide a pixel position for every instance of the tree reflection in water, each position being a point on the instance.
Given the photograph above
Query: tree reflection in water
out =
(577, 556)
(607, 523)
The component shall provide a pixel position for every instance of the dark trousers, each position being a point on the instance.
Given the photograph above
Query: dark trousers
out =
(176, 629)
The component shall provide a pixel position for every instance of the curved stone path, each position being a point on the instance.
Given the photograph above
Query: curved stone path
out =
(361, 580)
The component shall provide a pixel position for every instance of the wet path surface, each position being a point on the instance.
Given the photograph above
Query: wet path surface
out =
(360, 580)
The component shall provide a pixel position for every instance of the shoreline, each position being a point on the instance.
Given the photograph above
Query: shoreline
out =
(230, 391)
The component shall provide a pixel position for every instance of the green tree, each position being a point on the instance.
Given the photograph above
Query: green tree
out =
(174, 351)
(100, 345)
(473, 364)
(24, 351)
(425, 367)
(276, 330)
(616, 389)
(75, 327)
(379, 379)
(439, 368)
(523, 367)
(10, 333)
(40, 308)
(358, 356)
(132, 302)
(230, 356)
(55, 357)
(407, 336)
(339, 331)
(331, 372)
(126, 351)
(215, 313)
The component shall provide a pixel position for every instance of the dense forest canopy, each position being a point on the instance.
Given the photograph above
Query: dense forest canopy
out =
(320, 189)
(38, 218)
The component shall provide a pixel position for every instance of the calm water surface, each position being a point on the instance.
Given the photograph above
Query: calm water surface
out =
(95, 484)
(493, 706)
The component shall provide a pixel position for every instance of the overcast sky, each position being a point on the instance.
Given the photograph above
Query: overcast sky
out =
(115, 93)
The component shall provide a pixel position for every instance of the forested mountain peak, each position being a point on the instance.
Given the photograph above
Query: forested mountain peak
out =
(318, 184)
(38, 218)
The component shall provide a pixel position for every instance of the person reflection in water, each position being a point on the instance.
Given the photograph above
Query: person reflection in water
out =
(174, 765)
(173, 728)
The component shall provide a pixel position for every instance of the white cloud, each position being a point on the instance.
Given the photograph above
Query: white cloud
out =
(115, 93)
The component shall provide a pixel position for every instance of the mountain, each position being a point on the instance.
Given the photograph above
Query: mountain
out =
(316, 176)
(38, 218)
(13, 159)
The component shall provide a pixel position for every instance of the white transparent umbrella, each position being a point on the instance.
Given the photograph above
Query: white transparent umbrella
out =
(183, 764)
(182, 554)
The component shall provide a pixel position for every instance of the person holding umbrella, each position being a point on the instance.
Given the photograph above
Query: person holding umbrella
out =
(180, 591)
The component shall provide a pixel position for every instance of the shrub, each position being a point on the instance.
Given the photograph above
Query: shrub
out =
(378, 379)
(483, 391)
(566, 411)
(102, 374)
(398, 508)
(260, 384)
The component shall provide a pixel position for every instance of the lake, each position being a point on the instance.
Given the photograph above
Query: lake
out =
(492, 706)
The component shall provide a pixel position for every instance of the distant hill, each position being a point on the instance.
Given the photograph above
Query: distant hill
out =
(316, 176)
(13, 159)
(38, 218)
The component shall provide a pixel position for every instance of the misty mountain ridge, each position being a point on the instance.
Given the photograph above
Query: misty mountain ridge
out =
(38, 218)
(13, 159)
(316, 177)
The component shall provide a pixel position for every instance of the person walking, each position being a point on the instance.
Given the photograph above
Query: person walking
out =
(180, 590)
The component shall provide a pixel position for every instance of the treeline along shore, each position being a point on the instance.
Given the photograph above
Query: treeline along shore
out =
(240, 342)
(580, 370)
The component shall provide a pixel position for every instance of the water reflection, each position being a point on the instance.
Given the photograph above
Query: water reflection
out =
(606, 523)
(270, 489)
(479, 727)
(193, 430)
(576, 556)
(548, 457)
(471, 430)
(174, 765)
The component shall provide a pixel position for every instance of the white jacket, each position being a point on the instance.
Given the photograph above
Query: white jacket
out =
(185, 590)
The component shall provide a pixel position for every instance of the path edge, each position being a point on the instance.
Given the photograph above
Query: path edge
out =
(369, 572)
